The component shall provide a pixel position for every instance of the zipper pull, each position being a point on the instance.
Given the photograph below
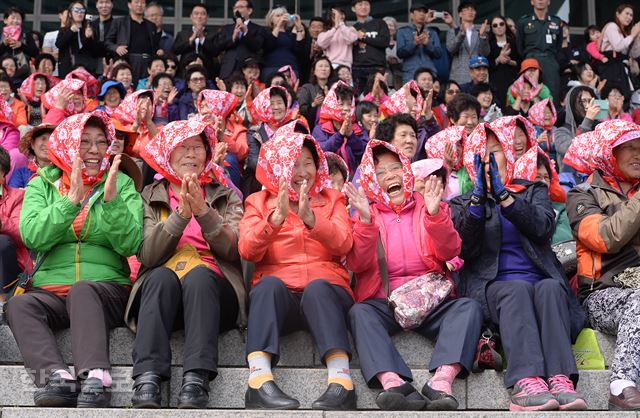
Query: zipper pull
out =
(397, 218)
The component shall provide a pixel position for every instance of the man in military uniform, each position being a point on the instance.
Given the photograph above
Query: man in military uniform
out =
(540, 37)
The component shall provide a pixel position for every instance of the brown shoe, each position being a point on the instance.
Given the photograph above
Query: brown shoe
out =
(628, 400)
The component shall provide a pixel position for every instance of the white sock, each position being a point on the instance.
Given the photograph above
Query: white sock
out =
(618, 385)
(63, 374)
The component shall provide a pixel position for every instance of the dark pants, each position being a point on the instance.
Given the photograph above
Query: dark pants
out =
(90, 309)
(534, 328)
(274, 311)
(139, 64)
(550, 75)
(360, 76)
(455, 325)
(8, 262)
(203, 303)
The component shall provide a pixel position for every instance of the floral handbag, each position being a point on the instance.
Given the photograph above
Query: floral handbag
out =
(412, 302)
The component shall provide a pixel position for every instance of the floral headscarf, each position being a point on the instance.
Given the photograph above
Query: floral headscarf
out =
(611, 134)
(127, 109)
(436, 144)
(221, 103)
(27, 87)
(536, 114)
(91, 84)
(507, 127)
(64, 143)
(397, 102)
(262, 107)
(580, 154)
(477, 144)
(6, 114)
(157, 152)
(290, 127)
(330, 109)
(277, 158)
(294, 77)
(527, 168)
(519, 85)
(73, 84)
(369, 180)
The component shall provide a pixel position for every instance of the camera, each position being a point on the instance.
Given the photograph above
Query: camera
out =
(438, 15)
(88, 18)
(292, 18)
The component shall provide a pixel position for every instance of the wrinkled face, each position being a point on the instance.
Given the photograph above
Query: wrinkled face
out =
(392, 27)
(520, 142)
(9, 67)
(112, 98)
(189, 157)
(137, 6)
(468, 119)
(278, 108)
(498, 26)
(124, 76)
(78, 101)
(40, 147)
(616, 100)
(5, 89)
(199, 17)
(479, 75)
(533, 74)
(251, 72)
(197, 82)
(468, 14)
(93, 146)
(405, 139)
(164, 88)
(625, 16)
(315, 29)
(425, 81)
(493, 146)
(543, 175)
(154, 14)
(172, 67)
(157, 67)
(627, 157)
(46, 67)
(587, 74)
(337, 181)
(548, 116)
(362, 8)
(322, 70)
(239, 90)
(344, 74)
(205, 111)
(39, 87)
(368, 119)
(389, 175)
(451, 93)
(485, 98)
(13, 19)
(104, 7)
(303, 169)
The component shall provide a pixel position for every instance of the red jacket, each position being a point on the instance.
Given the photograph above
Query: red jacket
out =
(437, 240)
(10, 205)
(292, 252)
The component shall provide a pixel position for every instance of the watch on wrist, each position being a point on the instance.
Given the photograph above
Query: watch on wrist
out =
(477, 200)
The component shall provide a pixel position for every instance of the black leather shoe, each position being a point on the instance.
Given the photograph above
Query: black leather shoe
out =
(194, 393)
(94, 394)
(269, 396)
(58, 392)
(401, 398)
(146, 391)
(439, 400)
(336, 398)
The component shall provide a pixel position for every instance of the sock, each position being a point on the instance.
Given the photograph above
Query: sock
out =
(618, 385)
(444, 377)
(338, 368)
(259, 369)
(63, 374)
(389, 380)
(102, 375)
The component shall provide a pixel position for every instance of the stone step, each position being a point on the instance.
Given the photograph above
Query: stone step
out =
(297, 349)
(176, 413)
(484, 391)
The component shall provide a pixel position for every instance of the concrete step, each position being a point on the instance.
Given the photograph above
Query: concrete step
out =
(297, 349)
(176, 413)
(484, 391)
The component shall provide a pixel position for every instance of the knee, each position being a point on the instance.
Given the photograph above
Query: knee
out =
(199, 278)
(520, 289)
(359, 314)
(469, 306)
(548, 287)
(317, 289)
(19, 306)
(161, 278)
(80, 290)
(268, 285)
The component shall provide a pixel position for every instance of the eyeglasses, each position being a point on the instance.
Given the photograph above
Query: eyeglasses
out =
(198, 79)
(78, 10)
(393, 168)
(497, 25)
(86, 144)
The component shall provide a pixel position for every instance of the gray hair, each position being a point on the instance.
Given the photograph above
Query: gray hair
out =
(154, 4)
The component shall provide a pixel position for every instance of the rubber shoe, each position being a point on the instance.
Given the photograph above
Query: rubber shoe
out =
(532, 394)
(561, 387)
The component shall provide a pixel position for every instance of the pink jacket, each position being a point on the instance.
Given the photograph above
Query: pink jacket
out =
(9, 141)
(592, 49)
(437, 241)
(10, 205)
(337, 43)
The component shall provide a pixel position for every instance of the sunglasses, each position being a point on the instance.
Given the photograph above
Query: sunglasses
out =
(453, 91)
(78, 10)
(173, 67)
(497, 25)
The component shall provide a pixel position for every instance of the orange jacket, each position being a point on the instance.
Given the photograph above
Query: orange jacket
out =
(292, 252)
(19, 112)
(235, 136)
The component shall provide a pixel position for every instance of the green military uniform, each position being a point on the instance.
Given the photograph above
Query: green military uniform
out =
(542, 40)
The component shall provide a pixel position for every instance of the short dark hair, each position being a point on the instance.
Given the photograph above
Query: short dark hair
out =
(155, 81)
(543, 161)
(396, 120)
(5, 161)
(4, 78)
(609, 87)
(481, 88)
(363, 107)
(318, 19)
(45, 79)
(336, 167)
(156, 58)
(308, 144)
(11, 10)
(354, 2)
(43, 57)
(312, 76)
(278, 92)
(236, 78)
(587, 31)
(344, 93)
(425, 70)
(96, 122)
(382, 150)
(122, 66)
(460, 103)
(464, 4)
(200, 5)
(194, 69)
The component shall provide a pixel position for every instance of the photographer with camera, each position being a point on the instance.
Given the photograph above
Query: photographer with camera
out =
(418, 45)
(76, 42)
(285, 42)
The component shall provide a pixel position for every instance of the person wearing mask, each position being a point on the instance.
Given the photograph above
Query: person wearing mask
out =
(418, 45)
(370, 51)
(466, 41)
(155, 13)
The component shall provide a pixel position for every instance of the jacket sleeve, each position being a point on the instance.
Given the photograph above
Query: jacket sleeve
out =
(54, 116)
(483, 45)
(65, 38)
(221, 230)
(122, 218)
(594, 228)
(328, 142)
(334, 232)
(11, 225)
(111, 37)
(256, 233)
(441, 236)
(181, 44)
(326, 38)
(434, 48)
(383, 38)
(305, 99)
(454, 41)
(469, 226)
(534, 219)
(365, 242)
(405, 46)
(43, 224)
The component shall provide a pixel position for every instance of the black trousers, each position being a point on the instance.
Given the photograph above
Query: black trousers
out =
(90, 309)
(203, 303)
(274, 311)
(455, 324)
(534, 328)
(8, 261)
(139, 64)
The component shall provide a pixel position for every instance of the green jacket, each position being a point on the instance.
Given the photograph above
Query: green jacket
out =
(111, 231)
(562, 232)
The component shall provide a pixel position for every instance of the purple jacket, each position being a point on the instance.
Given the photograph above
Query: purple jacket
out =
(349, 148)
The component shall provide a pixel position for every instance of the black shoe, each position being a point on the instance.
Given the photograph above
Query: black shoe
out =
(194, 393)
(146, 391)
(58, 392)
(401, 398)
(439, 400)
(269, 396)
(336, 398)
(94, 394)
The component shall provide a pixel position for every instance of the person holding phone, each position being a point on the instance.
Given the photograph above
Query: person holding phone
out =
(418, 46)
(284, 44)
(76, 42)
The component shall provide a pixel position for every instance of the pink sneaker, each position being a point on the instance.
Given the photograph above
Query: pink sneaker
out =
(532, 394)
(562, 389)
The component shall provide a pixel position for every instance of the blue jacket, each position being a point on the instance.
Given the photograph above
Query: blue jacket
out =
(413, 56)
(20, 178)
(186, 105)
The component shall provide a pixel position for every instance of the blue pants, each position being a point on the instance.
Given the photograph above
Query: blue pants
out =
(274, 311)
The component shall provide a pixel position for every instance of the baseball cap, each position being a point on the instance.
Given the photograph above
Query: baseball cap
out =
(478, 61)
(418, 6)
